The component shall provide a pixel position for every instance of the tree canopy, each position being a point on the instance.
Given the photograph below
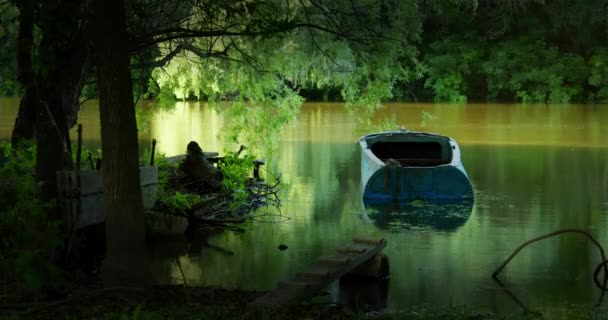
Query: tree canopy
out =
(360, 48)
(8, 34)
(516, 50)
(449, 50)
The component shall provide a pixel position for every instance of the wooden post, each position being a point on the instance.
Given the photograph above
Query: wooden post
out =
(375, 268)
(153, 150)
(79, 148)
(256, 169)
(360, 294)
(91, 161)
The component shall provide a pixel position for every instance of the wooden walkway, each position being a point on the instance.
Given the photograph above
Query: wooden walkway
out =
(326, 270)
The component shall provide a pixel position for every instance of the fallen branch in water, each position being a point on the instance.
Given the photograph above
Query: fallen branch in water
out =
(602, 265)
(220, 209)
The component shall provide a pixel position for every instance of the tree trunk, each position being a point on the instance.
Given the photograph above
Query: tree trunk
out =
(50, 103)
(125, 263)
(24, 123)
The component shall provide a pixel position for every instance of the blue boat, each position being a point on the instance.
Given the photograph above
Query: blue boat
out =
(406, 165)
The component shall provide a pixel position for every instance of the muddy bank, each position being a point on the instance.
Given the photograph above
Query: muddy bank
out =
(178, 302)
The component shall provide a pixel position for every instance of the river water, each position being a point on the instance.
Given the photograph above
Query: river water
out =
(535, 169)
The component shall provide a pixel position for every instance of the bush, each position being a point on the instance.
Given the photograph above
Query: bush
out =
(451, 63)
(29, 238)
(598, 77)
(236, 172)
(533, 71)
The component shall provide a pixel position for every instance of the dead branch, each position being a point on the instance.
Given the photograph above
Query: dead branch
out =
(602, 265)
(218, 209)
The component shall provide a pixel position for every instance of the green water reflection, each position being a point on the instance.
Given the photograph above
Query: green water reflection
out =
(535, 169)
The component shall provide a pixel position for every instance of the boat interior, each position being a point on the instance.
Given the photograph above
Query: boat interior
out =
(413, 154)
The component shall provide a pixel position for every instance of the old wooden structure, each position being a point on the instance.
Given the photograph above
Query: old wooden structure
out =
(329, 268)
(81, 195)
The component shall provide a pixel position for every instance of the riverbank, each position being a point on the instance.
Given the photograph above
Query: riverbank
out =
(178, 302)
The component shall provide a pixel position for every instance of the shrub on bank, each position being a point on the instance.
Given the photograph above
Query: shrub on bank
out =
(30, 240)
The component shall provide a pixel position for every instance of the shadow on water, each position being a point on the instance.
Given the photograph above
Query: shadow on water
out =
(366, 287)
(527, 311)
(366, 295)
(418, 214)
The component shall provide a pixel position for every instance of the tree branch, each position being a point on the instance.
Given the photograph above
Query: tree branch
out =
(179, 49)
(185, 33)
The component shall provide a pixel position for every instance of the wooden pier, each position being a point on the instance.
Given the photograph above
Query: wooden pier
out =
(326, 270)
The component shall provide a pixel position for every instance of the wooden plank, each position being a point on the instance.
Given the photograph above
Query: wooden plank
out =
(367, 240)
(91, 210)
(294, 283)
(334, 260)
(90, 182)
(66, 195)
(354, 249)
(315, 275)
(148, 177)
(305, 284)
